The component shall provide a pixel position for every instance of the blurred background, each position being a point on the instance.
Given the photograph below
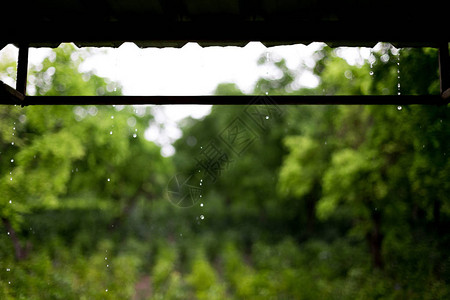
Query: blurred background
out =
(225, 202)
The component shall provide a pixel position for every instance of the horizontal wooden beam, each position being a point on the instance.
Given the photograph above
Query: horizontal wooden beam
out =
(231, 100)
(149, 32)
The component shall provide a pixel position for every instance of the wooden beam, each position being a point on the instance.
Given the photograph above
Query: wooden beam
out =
(22, 69)
(444, 68)
(446, 95)
(233, 100)
(8, 95)
(226, 32)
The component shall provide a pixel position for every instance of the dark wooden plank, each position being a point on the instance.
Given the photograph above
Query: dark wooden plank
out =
(234, 100)
(444, 67)
(22, 69)
(8, 95)
(446, 95)
(148, 31)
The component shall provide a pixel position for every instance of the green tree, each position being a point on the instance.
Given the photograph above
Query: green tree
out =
(62, 153)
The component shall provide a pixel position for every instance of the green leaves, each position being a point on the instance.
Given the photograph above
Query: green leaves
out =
(301, 168)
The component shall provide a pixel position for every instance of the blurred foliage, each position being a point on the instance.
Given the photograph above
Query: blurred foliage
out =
(306, 202)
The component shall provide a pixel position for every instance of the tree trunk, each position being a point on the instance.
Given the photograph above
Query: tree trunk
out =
(375, 239)
(436, 213)
(20, 252)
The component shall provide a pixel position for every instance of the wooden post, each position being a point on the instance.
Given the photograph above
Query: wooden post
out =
(22, 70)
(444, 70)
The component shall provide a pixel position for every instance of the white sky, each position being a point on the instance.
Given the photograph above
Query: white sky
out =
(192, 70)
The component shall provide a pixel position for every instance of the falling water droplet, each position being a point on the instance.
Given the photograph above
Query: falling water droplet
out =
(10, 201)
(110, 132)
(109, 179)
(399, 107)
(112, 117)
(201, 204)
(12, 143)
(202, 217)
(8, 269)
(134, 135)
(267, 117)
(398, 74)
(12, 159)
(371, 73)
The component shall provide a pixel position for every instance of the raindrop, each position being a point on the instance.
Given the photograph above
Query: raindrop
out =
(399, 107)
(134, 135)
(202, 217)
(10, 201)
(109, 179)
(267, 117)
(110, 132)
(398, 74)
(107, 266)
(106, 258)
(12, 160)
(12, 143)
(201, 204)
(267, 93)
(371, 73)
(8, 269)
(107, 289)
(112, 117)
